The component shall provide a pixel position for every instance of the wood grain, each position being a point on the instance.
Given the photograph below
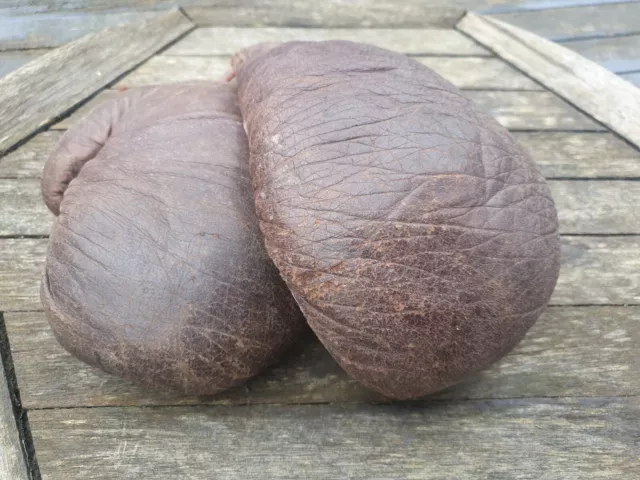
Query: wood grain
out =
(618, 54)
(515, 110)
(597, 207)
(571, 351)
(526, 439)
(587, 21)
(584, 207)
(12, 465)
(328, 14)
(82, 109)
(228, 40)
(23, 210)
(559, 154)
(580, 155)
(532, 111)
(48, 30)
(28, 160)
(464, 72)
(593, 89)
(10, 61)
(599, 270)
(21, 267)
(35, 94)
(480, 73)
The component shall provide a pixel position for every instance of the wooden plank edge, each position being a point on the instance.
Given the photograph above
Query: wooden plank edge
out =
(12, 134)
(12, 458)
(589, 87)
(327, 15)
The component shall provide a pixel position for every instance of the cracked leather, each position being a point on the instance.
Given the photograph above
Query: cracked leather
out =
(156, 269)
(419, 239)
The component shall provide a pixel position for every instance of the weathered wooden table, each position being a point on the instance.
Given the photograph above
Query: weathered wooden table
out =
(563, 405)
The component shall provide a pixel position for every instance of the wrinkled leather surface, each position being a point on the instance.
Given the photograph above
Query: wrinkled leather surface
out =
(419, 240)
(156, 269)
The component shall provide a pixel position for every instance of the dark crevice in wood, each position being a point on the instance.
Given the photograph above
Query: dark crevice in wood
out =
(407, 403)
(20, 237)
(20, 414)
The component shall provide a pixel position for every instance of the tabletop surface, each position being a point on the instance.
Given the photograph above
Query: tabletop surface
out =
(563, 404)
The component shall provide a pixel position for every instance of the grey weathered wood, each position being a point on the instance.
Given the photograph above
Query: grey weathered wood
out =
(23, 211)
(618, 54)
(559, 154)
(588, 21)
(584, 207)
(580, 155)
(12, 465)
(83, 109)
(28, 160)
(464, 72)
(515, 110)
(480, 73)
(593, 89)
(543, 439)
(21, 267)
(167, 69)
(571, 351)
(509, 6)
(599, 270)
(595, 270)
(10, 61)
(55, 29)
(328, 14)
(532, 111)
(35, 94)
(606, 207)
(227, 41)
(633, 77)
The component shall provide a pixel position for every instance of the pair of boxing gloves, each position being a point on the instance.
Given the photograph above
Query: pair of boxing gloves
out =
(195, 222)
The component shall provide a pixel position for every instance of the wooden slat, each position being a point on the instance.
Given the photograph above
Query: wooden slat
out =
(532, 111)
(328, 14)
(35, 94)
(581, 155)
(83, 109)
(528, 439)
(509, 6)
(479, 73)
(597, 207)
(12, 465)
(10, 61)
(163, 69)
(594, 90)
(566, 23)
(28, 160)
(571, 351)
(55, 29)
(584, 207)
(515, 110)
(599, 270)
(227, 41)
(618, 54)
(23, 210)
(595, 270)
(21, 267)
(559, 154)
(464, 72)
